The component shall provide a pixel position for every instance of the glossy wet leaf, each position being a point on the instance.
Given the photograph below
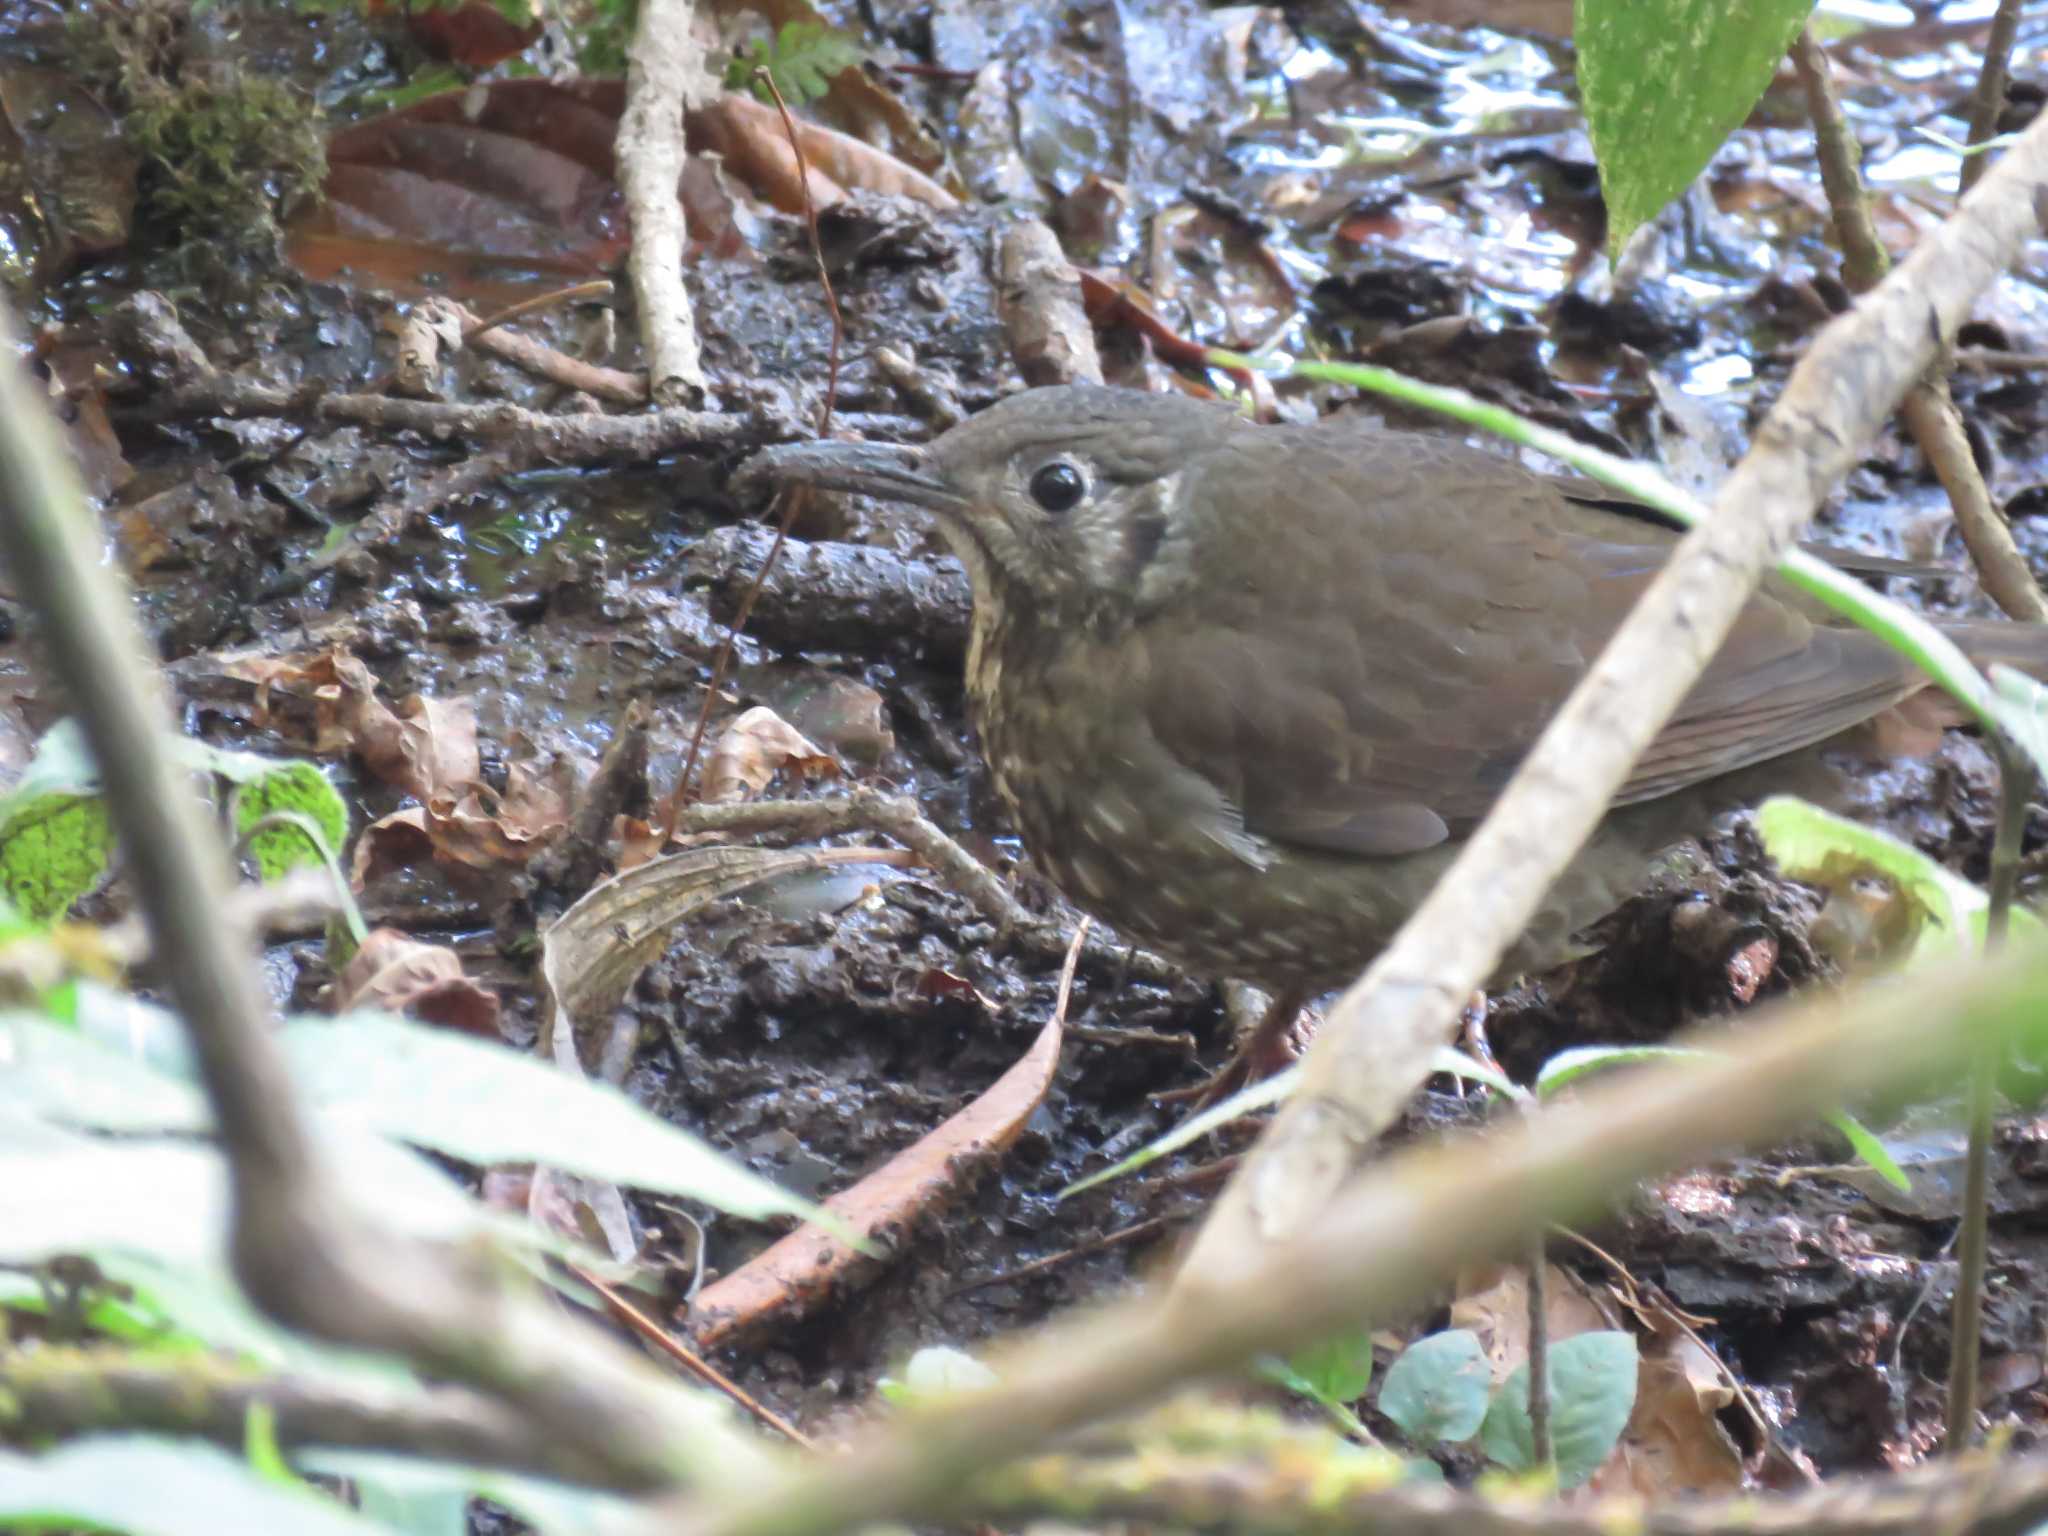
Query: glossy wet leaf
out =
(1664, 82)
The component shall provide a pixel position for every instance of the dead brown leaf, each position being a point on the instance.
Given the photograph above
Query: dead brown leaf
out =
(398, 974)
(753, 749)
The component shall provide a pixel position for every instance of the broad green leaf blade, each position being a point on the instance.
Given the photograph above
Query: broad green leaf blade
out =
(1592, 1390)
(486, 1104)
(551, 1508)
(63, 1076)
(1436, 1391)
(1664, 82)
(1827, 850)
(1871, 1150)
(145, 1486)
(1331, 1371)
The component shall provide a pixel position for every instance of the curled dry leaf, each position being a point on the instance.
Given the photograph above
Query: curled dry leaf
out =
(398, 974)
(426, 747)
(753, 749)
(805, 1269)
(1674, 1443)
(1494, 1303)
(594, 952)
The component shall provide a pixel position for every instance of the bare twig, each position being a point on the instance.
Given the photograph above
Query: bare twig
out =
(56, 1393)
(1988, 100)
(666, 1344)
(897, 816)
(1282, 1478)
(1039, 299)
(536, 357)
(2015, 780)
(661, 70)
(1390, 1021)
(793, 502)
(1929, 410)
(1539, 1349)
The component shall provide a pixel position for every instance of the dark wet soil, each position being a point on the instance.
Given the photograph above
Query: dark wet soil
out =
(1426, 193)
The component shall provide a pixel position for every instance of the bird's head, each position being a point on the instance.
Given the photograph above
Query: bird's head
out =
(1066, 501)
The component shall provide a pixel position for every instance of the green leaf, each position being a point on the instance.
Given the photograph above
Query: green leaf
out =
(145, 1486)
(801, 61)
(412, 1494)
(1870, 1150)
(1333, 1371)
(53, 849)
(302, 789)
(485, 1104)
(1258, 1096)
(1584, 1060)
(1664, 82)
(1592, 1390)
(1436, 1391)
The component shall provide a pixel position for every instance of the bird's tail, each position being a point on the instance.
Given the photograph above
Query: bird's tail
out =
(1913, 726)
(1991, 642)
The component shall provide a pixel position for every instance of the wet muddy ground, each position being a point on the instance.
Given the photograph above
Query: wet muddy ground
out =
(1350, 180)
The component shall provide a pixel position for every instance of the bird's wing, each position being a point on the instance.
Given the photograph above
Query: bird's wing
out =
(1372, 672)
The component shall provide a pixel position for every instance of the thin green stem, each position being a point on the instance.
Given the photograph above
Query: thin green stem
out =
(1898, 626)
(351, 913)
(2015, 780)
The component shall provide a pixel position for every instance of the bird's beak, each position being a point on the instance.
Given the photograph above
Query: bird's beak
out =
(887, 471)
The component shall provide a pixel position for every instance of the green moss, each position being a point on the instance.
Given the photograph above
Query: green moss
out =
(296, 787)
(229, 154)
(53, 849)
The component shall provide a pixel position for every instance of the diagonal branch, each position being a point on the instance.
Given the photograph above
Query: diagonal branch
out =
(303, 1251)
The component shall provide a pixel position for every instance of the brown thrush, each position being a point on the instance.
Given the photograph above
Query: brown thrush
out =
(1246, 689)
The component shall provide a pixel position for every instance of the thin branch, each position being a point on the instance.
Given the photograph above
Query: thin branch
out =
(2015, 781)
(792, 502)
(1988, 100)
(55, 1393)
(1387, 1025)
(1929, 410)
(660, 68)
(303, 1250)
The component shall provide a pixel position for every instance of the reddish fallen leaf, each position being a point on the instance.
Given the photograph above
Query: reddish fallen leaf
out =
(755, 147)
(935, 983)
(1110, 302)
(475, 34)
(79, 373)
(398, 974)
(475, 191)
(1674, 1445)
(800, 1273)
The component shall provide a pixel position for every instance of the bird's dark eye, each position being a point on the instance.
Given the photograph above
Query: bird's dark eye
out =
(1058, 486)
